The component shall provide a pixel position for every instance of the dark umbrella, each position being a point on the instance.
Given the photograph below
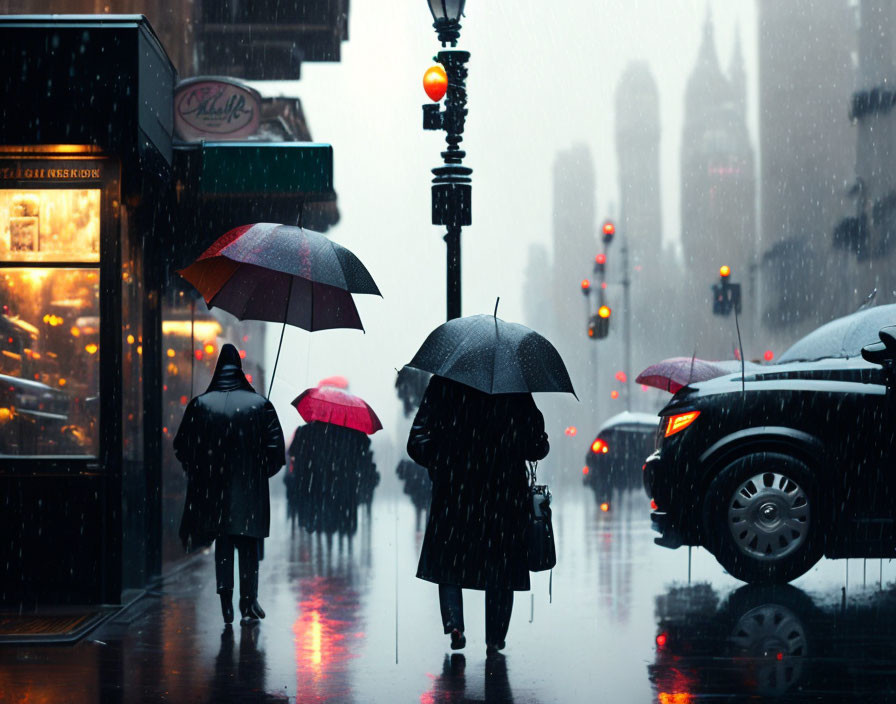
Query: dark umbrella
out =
(677, 372)
(282, 274)
(843, 337)
(493, 356)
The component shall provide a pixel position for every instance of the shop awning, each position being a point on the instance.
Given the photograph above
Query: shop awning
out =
(294, 169)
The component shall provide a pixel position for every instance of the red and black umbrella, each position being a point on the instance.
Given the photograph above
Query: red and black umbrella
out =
(282, 274)
(337, 407)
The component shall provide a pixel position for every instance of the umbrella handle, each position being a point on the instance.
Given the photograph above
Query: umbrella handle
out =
(282, 330)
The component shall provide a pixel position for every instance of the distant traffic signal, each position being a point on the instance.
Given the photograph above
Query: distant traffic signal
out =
(599, 325)
(586, 286)
(609, 230)
(600, 263)
(725, 295)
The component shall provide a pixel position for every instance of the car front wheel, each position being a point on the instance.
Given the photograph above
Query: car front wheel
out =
(761, 518)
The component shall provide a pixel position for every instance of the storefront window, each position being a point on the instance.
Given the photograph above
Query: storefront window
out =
(49, 361)
(50, 225)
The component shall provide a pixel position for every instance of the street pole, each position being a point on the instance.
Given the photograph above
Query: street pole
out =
(627, 301)
(452, 182)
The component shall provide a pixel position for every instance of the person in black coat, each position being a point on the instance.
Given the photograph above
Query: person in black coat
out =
(475, 446)
(229, 443)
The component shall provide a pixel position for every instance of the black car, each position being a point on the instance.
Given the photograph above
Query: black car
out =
(615, 458)
(774, 469)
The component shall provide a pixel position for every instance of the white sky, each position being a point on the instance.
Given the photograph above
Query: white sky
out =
(542, 77)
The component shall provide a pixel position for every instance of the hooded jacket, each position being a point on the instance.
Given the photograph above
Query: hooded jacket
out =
(229, 443)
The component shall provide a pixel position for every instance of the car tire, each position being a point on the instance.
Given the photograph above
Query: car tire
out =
(762, 516)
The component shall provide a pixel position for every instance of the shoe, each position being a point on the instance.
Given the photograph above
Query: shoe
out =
(458, 640)
(227, 605)
(251, 609)
(493, 648)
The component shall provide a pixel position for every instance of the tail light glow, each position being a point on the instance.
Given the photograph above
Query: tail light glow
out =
(653, 505)
(605, 507)
(600, 447)
(585, 470)
(661, 640)
(680, 421)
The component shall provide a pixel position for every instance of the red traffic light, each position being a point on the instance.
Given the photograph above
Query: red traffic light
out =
(604, 311)
(768, 356)
(725, 271)
(621, 377)
(609, 228)
(586, 285)
(614, 394)
(600, 259)
(435, 82)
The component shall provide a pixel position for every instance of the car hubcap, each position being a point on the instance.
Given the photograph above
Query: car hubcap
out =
(769, 516)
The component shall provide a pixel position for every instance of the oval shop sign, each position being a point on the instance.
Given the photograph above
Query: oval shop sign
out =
(215, 108)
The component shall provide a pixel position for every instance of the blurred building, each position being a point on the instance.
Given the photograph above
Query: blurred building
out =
(654, 269)
(806, 144)
(871, 233)
(718, 191)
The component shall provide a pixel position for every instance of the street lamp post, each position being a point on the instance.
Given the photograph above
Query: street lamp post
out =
(451, 184)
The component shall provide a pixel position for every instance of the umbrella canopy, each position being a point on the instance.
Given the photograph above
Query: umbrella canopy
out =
(843, 337)
(282, 274)
(338, 408)
(339, 382)
(677, 372)
(493, 356)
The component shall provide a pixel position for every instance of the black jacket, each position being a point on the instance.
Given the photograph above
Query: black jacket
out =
(475, 447)
(229, 443)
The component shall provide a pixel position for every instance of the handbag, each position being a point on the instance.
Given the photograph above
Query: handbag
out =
(540, 530)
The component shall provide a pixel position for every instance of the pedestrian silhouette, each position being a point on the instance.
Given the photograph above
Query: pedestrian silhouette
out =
(229, 443)
(475, 446)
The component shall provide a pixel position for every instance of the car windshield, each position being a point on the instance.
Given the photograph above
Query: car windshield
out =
(842, 338)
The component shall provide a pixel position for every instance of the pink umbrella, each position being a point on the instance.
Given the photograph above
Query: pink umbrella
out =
(677, 372)
(339, 382)
(330, 405)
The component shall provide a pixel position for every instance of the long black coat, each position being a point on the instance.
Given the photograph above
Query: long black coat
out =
(229, 443)
(475, 447)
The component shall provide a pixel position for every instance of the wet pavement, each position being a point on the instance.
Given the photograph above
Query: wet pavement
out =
(618, 621)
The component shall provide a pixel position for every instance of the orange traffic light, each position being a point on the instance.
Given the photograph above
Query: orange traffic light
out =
(604, 312)
(600, 259)
(609, 228)
(586, 285)
(725, 271)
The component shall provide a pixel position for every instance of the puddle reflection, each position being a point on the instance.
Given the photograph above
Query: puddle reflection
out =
(773, 641)
(451, 686)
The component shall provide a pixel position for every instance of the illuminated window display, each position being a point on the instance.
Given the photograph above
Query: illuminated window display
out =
(50, 225)
(49, 322)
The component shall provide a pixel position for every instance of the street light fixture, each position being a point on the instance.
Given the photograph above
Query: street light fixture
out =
(446, 15)
(452, 183)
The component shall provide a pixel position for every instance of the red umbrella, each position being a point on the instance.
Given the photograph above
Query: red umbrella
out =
(677, 372)
(338, 381)
(337, 407)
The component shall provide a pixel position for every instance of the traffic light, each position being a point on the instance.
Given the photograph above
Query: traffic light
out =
(725, 295)
(586, 286)
(609, 230)
(600, 263)
(599, 324)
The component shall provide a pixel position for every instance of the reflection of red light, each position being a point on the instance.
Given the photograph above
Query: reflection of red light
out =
(675, 698)
(183, 400)
(605, 507)
(249, 378)
(661, 639)
(768, 356)
(584, 470)
(644, 387)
